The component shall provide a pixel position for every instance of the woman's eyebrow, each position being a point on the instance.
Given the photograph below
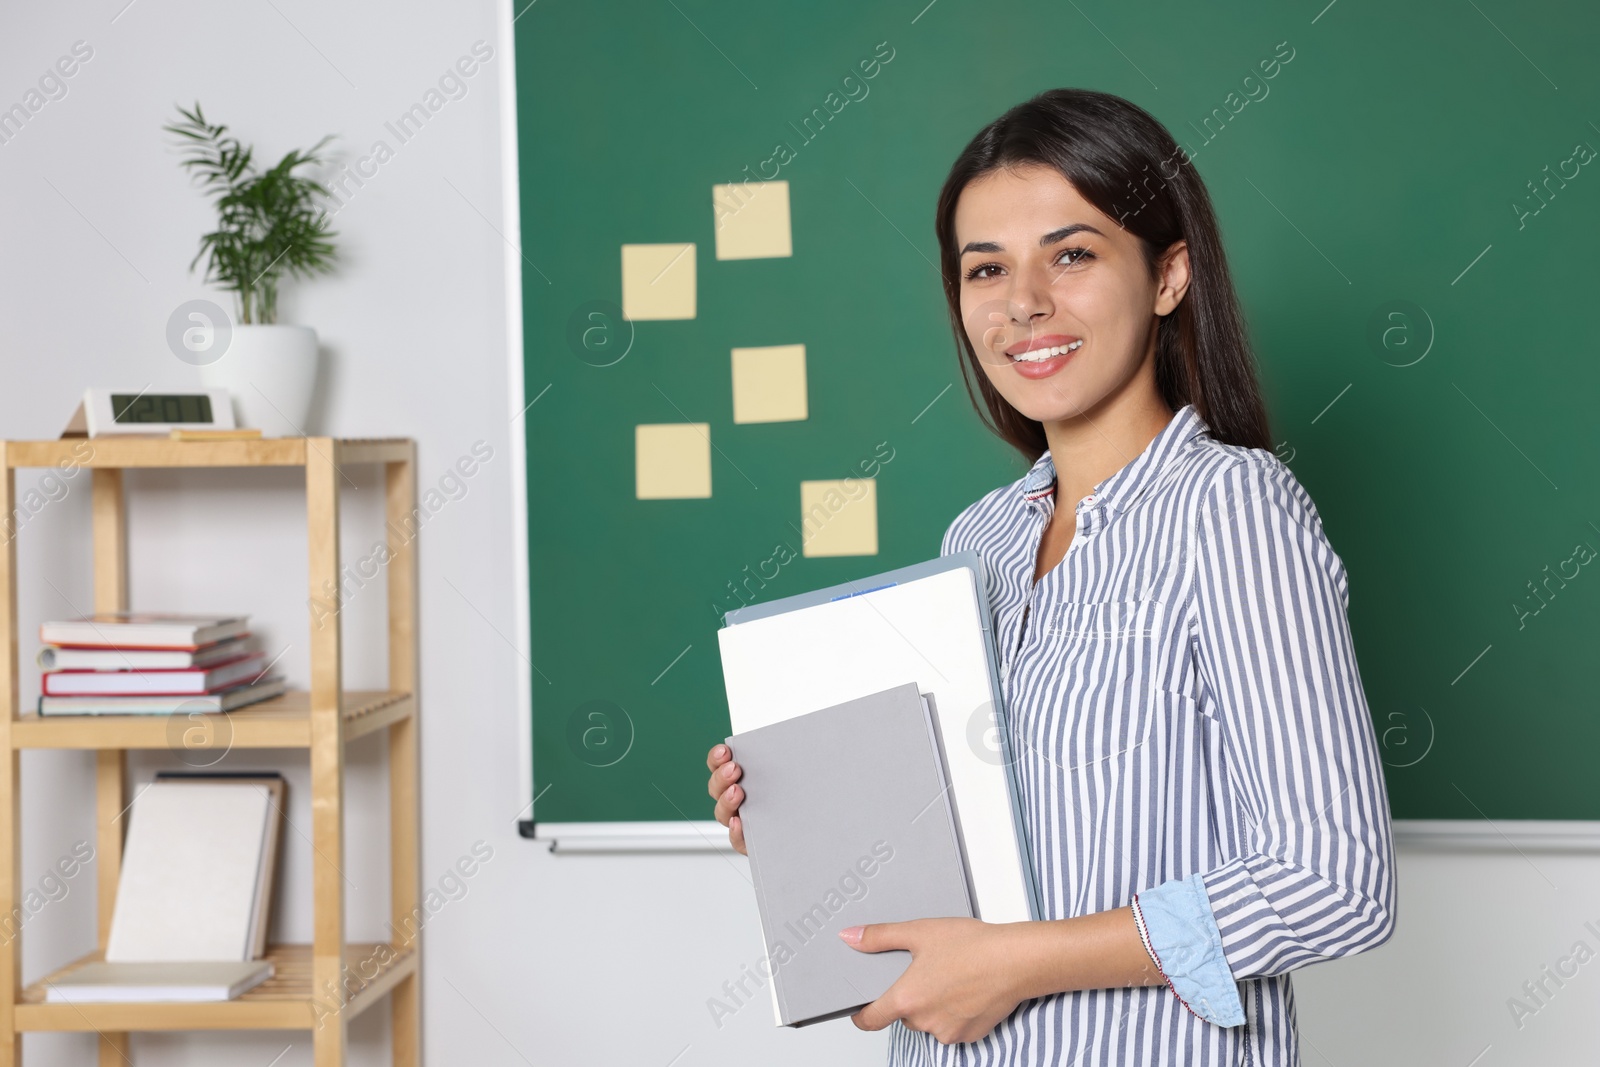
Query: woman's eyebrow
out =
(1044, 242)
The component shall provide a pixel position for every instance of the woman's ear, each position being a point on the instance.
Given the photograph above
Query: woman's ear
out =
(1172, 278)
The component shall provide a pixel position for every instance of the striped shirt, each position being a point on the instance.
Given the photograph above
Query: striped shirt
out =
(1186, 718)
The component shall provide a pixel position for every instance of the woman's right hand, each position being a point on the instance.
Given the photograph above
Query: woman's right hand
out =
(723, 786)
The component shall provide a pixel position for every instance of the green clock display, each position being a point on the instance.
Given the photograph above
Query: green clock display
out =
(154, 407)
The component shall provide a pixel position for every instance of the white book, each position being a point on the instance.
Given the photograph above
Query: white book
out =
(188, 982)
(142, 629)
(191, 869)
(53, 658)
(275, 786)
(201, 704)
(186, 681)
(261, 915)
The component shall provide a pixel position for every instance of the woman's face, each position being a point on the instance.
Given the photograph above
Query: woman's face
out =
(1043, 272)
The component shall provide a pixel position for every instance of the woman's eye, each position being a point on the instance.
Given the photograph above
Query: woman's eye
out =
(1077, 255)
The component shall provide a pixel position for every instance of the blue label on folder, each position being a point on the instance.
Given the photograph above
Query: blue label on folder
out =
(874, 589)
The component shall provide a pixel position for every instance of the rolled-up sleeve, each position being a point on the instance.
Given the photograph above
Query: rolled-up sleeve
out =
(1316, 878)
(1180, 933)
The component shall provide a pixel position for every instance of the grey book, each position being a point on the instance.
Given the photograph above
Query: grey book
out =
(847, 821)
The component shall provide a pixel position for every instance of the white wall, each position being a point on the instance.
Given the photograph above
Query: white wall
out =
(545, 954)
(1472, 929)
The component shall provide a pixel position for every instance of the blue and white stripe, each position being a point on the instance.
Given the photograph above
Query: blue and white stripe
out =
(1186, 716)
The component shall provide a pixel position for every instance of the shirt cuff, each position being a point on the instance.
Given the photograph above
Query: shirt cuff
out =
(1180, 933)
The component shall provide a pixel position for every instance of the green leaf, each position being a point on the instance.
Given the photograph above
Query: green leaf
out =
(269, 222)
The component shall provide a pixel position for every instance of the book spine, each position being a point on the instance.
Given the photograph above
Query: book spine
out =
(780, 1008)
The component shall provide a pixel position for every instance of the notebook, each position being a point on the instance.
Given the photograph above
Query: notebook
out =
(142, 629)
(847, 821)
(205, 704)
(929, 624)
(140, 982)
(190, 681)
(277, 789)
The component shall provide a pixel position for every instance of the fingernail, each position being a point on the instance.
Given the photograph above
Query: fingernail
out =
(720, 751)
(851, 934)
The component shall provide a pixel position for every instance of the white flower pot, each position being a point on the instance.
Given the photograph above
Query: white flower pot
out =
(271, 372)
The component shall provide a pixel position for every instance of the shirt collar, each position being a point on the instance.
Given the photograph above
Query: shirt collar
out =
(1122, 488)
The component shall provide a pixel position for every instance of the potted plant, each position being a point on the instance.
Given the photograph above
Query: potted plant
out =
(269, 223)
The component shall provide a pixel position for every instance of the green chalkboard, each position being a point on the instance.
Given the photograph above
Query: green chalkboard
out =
(1415, 275)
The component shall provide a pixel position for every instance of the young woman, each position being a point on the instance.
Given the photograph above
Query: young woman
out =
(1203, 793)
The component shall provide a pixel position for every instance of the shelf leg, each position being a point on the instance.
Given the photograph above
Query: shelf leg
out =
(110, 519)
(115, 1050)
(110, 541)
(10, 793)
(405, 1001)
(327, 751)
(110, 778)
(329, 1043)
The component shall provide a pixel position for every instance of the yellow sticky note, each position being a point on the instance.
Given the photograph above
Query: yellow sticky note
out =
(839, 518)
(769, 384)
(672, 460)
(658, 281)
(751, 220)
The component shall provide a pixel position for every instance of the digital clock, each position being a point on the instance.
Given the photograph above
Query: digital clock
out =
(142, 411)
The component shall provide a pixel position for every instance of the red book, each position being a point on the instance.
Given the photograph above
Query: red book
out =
(196, 681)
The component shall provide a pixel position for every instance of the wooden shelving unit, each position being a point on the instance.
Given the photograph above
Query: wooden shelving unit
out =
(318, 987)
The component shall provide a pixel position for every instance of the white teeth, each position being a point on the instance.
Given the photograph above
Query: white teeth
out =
(1039, 355)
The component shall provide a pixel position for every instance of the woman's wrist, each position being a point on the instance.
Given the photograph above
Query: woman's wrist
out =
(1097, 951)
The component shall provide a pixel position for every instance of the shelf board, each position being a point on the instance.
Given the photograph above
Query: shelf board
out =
(164, 452)
(283, 1002)
(283, 722)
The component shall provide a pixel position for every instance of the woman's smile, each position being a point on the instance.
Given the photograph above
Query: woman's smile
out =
(1043, 356)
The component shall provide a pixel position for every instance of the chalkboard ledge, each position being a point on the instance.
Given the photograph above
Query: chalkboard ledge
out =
(1473, 835)
(676, 836)
(1499, 835)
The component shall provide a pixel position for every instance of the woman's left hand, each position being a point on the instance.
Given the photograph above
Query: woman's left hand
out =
(965, 976)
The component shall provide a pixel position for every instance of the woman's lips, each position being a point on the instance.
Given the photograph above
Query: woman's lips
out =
(1044, 368)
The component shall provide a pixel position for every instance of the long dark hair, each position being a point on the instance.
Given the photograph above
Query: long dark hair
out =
(1125, 163)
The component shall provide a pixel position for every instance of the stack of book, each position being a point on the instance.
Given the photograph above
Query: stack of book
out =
(194, 896)
(146, 663)
(819, 680)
